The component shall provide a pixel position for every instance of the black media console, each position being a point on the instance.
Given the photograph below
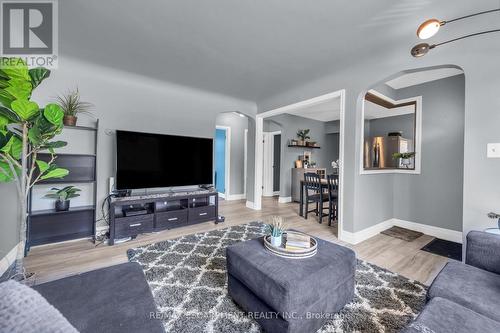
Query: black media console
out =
(134, 215)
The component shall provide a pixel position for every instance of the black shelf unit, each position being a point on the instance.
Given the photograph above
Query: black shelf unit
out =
(50, 226)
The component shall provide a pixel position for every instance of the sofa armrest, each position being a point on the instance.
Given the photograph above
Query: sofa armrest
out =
(483, 251)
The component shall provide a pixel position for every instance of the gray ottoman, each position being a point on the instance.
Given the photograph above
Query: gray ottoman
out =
(290, 295)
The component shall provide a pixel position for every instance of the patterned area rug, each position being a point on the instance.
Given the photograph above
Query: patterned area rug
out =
(188, 279)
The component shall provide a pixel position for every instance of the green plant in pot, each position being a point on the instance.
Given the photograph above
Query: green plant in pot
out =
(72, 106)
(276, 228)
(26, 130)
(63, 196)
(303, 136)
(405, 158)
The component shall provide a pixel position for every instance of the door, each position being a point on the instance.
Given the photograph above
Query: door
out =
(220, 160)
(276, 162)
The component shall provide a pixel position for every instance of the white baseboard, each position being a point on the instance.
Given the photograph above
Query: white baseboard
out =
(359, 236)
(236, 196)
(222, 195)
(251, 205)
(362, 235)
(284, 199)
(7, 261)
(446, 234)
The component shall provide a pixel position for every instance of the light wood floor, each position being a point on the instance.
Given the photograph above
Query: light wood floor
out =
(52, 262)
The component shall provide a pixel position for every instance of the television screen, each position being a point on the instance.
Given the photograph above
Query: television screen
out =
(145, 160)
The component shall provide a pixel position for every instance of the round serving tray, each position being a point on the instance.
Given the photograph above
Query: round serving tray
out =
(281, 251)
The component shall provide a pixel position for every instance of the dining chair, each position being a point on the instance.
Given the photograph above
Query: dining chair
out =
(314, 194)
(333, 197)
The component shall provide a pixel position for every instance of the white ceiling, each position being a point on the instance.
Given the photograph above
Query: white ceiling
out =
(324, 111)
(375, 111)
(412, 79)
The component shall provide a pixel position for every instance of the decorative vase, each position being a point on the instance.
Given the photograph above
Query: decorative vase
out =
(300, 142)
(406, 162)
(69, 120)
(276, 240)
(62, 205)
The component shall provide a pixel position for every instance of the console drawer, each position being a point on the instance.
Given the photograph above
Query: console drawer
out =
(205, 213)
(173, 219)
(133, 225)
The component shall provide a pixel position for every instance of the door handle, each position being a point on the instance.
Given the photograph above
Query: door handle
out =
(173, 219)
(135, 225)
(203, 214)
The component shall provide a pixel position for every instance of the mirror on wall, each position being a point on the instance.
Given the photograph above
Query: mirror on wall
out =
(389, 130)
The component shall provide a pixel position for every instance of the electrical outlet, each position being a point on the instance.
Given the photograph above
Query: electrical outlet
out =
(493, 150)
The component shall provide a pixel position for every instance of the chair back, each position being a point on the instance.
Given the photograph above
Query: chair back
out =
(333, 184)
(312, 182)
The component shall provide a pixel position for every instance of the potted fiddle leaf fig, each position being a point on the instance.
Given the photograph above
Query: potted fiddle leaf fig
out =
(303, 136)
(26, 130)
(405, 158)
(276, 228)
(63, 196)
(72, 106)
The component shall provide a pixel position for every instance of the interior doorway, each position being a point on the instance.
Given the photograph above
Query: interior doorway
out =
(276, 163)
(306, 146)
(272, 163)
(222, 158)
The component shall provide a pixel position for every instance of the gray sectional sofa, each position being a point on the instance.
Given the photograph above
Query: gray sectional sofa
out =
(465, 297)
(112, 299)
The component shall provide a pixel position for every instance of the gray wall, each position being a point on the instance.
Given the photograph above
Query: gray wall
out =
(331, 151)
(132, 102)
(332, 126)
(435, 196)
(289, 125)
(9, 234)
(382, 126)
(237, 157)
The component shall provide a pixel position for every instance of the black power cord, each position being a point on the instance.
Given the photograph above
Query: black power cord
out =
(104, 217)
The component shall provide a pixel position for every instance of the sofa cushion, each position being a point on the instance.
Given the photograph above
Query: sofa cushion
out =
(23, 310)
(474, 288)
(443, 316)
(290, 285)
(112, 299)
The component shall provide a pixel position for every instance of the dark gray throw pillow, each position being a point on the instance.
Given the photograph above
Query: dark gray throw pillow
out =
(23, 310)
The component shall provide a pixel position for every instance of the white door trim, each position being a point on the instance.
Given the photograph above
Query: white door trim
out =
(259, 130)
(227, 163)
(245, 161)
(267, 165)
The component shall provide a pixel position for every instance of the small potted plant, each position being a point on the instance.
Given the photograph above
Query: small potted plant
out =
(63, 196)
(72, 106)
(303, 135)
(405, 158)
(276, 229)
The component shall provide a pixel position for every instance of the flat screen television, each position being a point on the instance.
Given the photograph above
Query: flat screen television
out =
(145, 160)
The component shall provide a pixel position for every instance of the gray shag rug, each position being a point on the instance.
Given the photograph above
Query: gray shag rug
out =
(188, 279)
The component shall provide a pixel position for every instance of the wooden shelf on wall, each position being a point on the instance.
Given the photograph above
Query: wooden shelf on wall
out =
(304, 146)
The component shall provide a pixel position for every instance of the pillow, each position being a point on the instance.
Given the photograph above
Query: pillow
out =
(23, 310)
